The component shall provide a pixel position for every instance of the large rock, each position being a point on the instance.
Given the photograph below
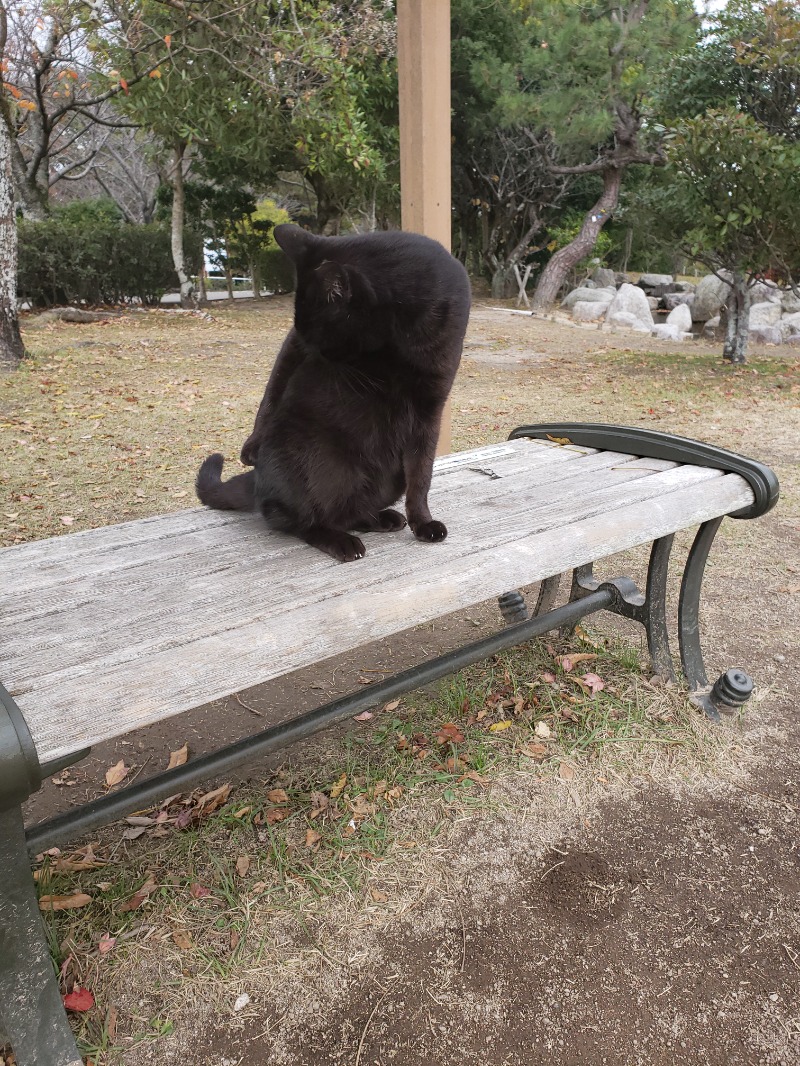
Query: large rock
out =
(673, 299)
(790, 326)
(655, 281)
(603, 277)
(766, 335)
(710, 294)
(713, 328)
(681, 318)
(765, 314)
(653, 302)
(790, 302)
(631, 300)
(684, 286)
(584, 311)
(604, 296)
(626, 320)
(667, 332)
(763, 291)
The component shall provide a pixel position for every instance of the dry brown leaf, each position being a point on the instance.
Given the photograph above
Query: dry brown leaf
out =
(392, 706)
(117, 773)
(378, 896)
(276, 814)
(449, 734)
(338, 788)
(312, 837)
(210, 801)
(182, 939)
(240, 814)
(179, 757)
(64, 903)
(565, 771)
(535, 751)
(363, 717)
(568, 661)
(277, 795)
(243, 865)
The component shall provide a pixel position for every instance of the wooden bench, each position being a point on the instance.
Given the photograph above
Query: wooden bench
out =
(111, 629)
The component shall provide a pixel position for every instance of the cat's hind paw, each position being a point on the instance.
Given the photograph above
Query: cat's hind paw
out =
(430, 531)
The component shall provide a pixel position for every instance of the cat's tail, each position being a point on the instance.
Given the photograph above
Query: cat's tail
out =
(235, 494)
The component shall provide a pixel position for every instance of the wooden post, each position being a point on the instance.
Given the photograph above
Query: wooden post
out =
(423, 60)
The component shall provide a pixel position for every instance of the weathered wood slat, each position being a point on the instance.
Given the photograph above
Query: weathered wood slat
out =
(139, 611)
(156, 633)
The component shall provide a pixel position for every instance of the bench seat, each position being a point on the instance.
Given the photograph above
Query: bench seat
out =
(111, 629)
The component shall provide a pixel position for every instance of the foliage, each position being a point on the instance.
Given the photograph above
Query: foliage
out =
(86, 253)
(567, 229)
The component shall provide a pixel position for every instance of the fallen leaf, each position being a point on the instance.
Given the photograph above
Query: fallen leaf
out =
(64, 903)
(240, 814)
(210, 801)
(378, 896)
(117, 773)
(243, 865)
(535, 751)
(548, 678)
(140, 820)
(312, 837)
(182, 939)
(79, 999)
(67, 520)
(234, 940)
(392, 706)
(135, 833)
(138, 898)
(198, 891)
(594, 683)
(338, 788)
(449, 734)
(106, 943)
(565, 771)
(276, 814)
(179, 757)
(568, 661)
(363, 717)
(241, 1002)
(497, 727)
(473, 775)
(277, 795)
(542, 729)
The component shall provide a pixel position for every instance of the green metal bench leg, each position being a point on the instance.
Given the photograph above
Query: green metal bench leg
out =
(32, 1016)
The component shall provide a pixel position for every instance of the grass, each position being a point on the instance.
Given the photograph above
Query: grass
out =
(247, 882)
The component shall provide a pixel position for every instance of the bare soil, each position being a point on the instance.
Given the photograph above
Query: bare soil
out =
(614, 919)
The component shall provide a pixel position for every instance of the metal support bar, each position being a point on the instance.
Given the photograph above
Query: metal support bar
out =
(31, 1012)
(548, 594)
(689, 605)
(250, 749)
(20, 772)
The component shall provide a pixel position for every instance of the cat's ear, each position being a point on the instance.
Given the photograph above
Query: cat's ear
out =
(296, 242)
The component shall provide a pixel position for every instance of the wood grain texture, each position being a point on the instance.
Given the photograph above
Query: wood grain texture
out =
(115, 628)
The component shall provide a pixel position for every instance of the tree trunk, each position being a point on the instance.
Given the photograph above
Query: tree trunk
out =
(178, 218)
(504, 284)
(737, 324)
(12, 349)
(567, 258)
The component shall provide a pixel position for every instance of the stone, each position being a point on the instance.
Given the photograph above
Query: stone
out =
(683, 286)
(603, 277)
(790, 302)
(711, 328)
(764, 291)
(621, 279)
(589, 284)
(681, 318)
(655, 281)
(654, 302)
(789, 326)
(667, 332)
(710, 294)
(626, 320)
(674, 299)
(766, 335)
(631, 300)
(584, 311)
(603, 296)
(765, 314)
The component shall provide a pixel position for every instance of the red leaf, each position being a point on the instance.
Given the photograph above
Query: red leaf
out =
(449, 734)
(594, 683)
(124, 85)
(198, 891)
(79, 999)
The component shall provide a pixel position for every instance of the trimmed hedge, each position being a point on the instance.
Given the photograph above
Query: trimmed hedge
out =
(86, 253)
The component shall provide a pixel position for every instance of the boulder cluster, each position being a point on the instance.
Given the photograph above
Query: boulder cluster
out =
(684, 309)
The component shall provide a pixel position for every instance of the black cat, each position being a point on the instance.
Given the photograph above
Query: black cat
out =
(351, 413)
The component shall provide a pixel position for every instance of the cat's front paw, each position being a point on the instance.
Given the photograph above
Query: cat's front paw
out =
(430, 531)
(342, 546)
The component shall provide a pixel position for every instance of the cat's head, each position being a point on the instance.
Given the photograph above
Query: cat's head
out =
(335, 306)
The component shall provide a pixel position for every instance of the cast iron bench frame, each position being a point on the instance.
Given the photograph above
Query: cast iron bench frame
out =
(30, 1003)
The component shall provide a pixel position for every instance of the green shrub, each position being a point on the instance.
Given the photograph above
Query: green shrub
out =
(277, 272)
(86, 253)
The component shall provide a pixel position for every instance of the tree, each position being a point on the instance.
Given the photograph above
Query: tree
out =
(735, 165)
(595, 67)
(12, 348)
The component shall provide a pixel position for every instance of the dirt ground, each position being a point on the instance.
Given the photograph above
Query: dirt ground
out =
(622, 918)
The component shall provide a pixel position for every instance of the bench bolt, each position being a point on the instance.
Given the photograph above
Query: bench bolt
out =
(513, 607)
(731, 690)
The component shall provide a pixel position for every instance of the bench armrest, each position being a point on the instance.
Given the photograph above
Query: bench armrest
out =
(651, 444)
